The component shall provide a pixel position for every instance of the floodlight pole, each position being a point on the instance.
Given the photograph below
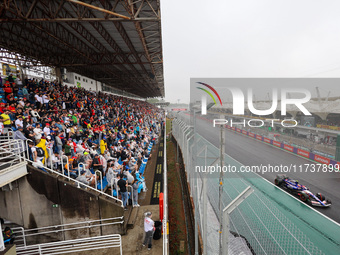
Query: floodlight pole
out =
(222, 151)
(227, 211)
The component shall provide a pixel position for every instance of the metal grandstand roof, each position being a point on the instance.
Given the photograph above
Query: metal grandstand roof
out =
(117, 42)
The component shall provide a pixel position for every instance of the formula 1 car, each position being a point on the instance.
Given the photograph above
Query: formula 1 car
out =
(302, 191)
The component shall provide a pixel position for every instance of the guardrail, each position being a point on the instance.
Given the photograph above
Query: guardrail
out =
(77, 245)
(22, 234)
(19, 149)
(10, 152)
(268, 222)
(165, 199)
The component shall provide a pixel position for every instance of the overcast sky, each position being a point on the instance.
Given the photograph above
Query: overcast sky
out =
(248, 38)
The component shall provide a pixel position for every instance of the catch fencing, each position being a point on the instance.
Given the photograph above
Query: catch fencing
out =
(263, 223)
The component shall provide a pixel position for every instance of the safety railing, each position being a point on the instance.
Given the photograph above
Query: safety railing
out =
(8, 134)
(165, 198)
(12, 162)
(77, 245)
(19, 150)
(22, 234)
(262, 224)
(10, 152)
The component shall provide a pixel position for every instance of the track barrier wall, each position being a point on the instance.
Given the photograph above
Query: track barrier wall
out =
(295, 150)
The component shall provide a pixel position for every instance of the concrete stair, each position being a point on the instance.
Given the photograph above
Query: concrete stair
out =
(130, 217)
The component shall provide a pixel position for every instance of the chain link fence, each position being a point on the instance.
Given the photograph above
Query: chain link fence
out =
(262, 224)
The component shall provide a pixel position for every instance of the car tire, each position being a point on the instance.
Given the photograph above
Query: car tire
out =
(304, 198)
(277, 182)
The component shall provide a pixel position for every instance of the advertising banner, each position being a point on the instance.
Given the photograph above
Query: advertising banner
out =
(9, 69)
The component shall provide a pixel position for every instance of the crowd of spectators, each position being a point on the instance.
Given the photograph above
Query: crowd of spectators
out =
(334, 122)
(72, 128)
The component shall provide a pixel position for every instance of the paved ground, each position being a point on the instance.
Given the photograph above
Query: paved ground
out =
(144, 198)
(132, 241)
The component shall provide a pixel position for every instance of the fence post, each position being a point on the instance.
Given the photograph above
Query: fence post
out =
(68, 166)
(226, 212)
(23, 235)
(205, 215)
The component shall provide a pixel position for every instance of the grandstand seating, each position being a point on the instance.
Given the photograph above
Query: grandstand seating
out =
(88, 123)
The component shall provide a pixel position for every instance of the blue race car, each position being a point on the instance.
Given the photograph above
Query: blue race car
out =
(305, 195)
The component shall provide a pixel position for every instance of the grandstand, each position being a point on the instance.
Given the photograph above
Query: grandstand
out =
(87, 138)
(77, 136)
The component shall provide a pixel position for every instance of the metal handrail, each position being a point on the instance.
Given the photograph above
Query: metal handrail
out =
(129, 186)
(75, 223)
(82, 166)
(77, 245)
(68, 166)
(21, 158)
(25, 232)
(76, 181)
(87, 186)
(11, 149)
(165, 198)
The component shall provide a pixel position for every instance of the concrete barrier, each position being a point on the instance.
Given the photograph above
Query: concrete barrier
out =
(40, 199)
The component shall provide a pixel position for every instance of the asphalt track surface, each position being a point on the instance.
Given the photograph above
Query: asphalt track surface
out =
(250, 152)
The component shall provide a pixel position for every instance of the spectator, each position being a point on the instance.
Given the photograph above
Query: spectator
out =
(81, 124)
(133, 165)
(96, 164)
(129, 177)
(45, 99)
(38, 155)
(25, 92)
(68, 148)
(135, 186)
(37, 132)
(148, 229)
(1, 125)
(19, 122)
(8, 236)
(47, 130)
(58, 142)
(110, 173)
(19, 134)
(82, 178)
(103, 145)
(6, 118)
(122, 184)
(10, 78)
(56, 161)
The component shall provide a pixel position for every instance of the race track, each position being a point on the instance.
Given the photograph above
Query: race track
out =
(250, 152)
